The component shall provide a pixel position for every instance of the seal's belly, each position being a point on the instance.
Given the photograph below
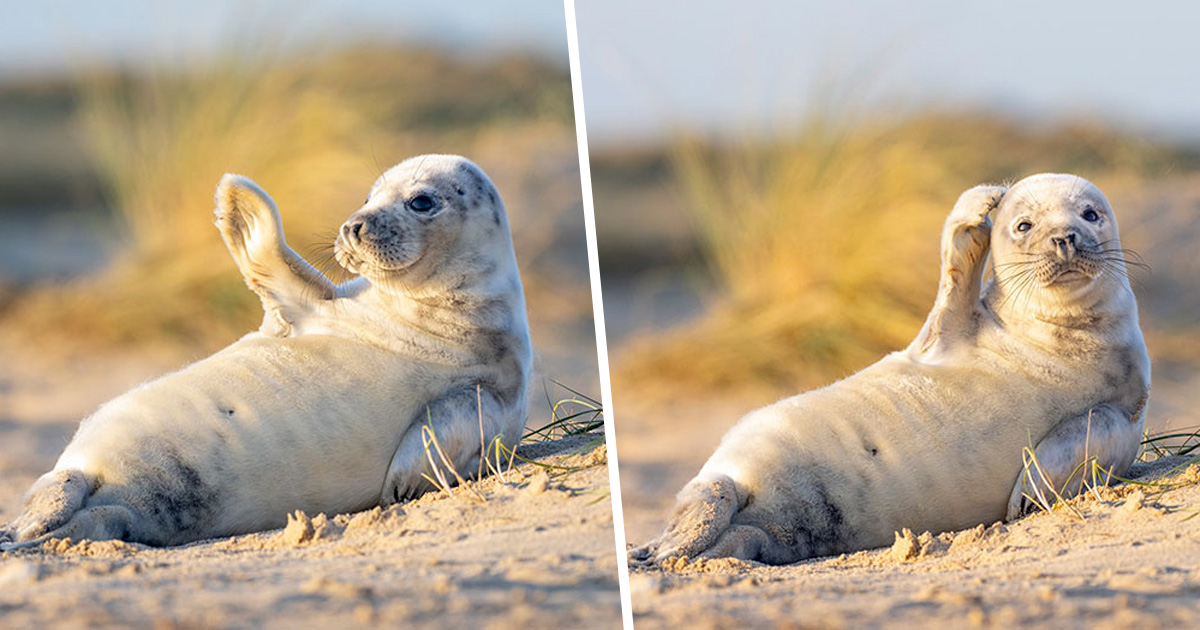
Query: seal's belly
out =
(266, 426)
(900, 444)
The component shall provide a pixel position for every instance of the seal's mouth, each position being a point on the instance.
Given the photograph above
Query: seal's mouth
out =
(1084, 267)
(1069, 276)
(373, 257)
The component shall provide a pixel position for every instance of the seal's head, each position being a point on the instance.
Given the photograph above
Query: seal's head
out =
(1054, 239)
(431, 217)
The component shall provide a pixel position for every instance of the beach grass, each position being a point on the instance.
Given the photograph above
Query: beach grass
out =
(577, 415)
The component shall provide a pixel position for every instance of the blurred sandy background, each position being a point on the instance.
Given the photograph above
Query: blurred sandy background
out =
(117, 120)
(770, 182)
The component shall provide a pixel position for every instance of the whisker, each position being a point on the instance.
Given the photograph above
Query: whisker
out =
(1129, 263)
(1014, 283)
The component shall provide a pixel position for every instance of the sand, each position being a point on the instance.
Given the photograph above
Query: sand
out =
(1129, 557)
(532, 550)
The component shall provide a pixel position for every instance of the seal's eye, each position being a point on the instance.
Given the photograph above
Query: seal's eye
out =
(1024, 226)
(1090, 215)
(421, 203)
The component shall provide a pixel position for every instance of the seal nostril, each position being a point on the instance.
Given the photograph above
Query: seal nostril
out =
(1064, 246)
(352, 231)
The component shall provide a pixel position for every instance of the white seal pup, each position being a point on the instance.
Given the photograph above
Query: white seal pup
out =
(932, 437)
(323, 408)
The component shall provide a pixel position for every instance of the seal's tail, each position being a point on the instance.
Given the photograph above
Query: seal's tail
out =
(53, 508)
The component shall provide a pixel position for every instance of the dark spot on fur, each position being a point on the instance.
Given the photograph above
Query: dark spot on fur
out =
(1119, 377)
(173, 495)
(496, 215)
(460, 191)
(506, 374)
(1139, 406)
(814, 526)
(826, 536)
(474, 180)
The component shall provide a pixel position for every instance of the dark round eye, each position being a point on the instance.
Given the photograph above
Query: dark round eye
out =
(1024, 226)
(1090, 215)
(421, 203)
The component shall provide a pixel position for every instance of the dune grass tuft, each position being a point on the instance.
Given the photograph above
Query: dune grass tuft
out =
(1178, 442)
(1090, 480)
(577, 415)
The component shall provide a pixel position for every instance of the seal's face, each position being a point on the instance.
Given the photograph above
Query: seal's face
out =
(1057, 233)
(428, 216)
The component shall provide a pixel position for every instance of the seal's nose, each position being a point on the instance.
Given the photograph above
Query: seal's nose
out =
(1064, 246)
(352, 230)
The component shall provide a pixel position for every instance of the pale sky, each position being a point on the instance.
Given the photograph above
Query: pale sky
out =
(54, 34)
(650, 66)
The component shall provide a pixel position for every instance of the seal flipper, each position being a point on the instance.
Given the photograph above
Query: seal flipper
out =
(101, 522)
(965, 240)
(744, 542)
(52, 501)
(252, 229)
(1063, 458)
(454, 419)
(703, 512)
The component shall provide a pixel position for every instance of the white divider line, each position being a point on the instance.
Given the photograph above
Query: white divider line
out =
(589, 212)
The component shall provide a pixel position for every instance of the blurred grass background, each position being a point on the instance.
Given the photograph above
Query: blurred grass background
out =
(769, 265)
(107, 178)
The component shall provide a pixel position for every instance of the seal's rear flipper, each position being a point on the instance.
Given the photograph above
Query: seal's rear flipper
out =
(54, 498)
(101, 522)
(703, 511)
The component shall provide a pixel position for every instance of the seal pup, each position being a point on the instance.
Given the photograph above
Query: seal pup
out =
(932, 437)
(323, 409)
